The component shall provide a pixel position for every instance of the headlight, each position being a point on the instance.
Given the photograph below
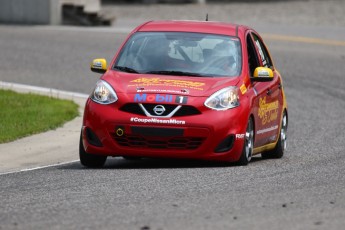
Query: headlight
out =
(103, 93)
(224, 99)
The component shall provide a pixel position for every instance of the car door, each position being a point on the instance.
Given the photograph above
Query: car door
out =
(268, 100)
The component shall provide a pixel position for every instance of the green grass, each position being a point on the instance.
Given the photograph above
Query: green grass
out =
(26, 114)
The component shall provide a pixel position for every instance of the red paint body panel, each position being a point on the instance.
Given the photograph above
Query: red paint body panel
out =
(107, 118)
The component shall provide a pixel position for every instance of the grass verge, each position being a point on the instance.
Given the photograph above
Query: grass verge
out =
(26, 114)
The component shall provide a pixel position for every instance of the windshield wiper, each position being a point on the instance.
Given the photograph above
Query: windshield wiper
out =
(177, 73)
(125, 69)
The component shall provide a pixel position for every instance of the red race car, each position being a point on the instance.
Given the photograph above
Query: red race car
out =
(186, 89)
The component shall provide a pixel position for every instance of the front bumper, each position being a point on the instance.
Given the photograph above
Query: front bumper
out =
(212, 135)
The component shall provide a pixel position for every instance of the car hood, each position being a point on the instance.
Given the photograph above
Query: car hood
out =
(129, 83)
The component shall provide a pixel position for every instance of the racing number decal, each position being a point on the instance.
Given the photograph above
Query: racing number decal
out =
(181, 100)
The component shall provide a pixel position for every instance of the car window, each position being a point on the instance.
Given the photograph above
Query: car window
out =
(204, 54)
(265, 58)
(253, 61)
(192, 50)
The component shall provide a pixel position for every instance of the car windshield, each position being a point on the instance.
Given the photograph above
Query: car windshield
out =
(177, 53)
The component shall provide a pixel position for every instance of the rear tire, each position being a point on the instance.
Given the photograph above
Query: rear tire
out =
(90, 160)
(280, 148)
(248, 146)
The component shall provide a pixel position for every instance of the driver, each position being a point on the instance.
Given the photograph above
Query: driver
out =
(224, 57)
(157, 54)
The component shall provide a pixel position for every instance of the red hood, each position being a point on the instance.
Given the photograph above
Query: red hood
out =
(148, 83)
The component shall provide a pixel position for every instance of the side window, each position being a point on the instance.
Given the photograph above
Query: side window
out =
(265, 58)
(252, 57)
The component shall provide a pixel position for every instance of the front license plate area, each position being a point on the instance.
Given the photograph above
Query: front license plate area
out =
(157, 132)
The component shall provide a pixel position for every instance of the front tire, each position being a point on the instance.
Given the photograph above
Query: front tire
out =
(248, 146)
(90, 160)
(280, 148)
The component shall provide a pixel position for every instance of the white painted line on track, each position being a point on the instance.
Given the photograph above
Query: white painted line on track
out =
(39, 167)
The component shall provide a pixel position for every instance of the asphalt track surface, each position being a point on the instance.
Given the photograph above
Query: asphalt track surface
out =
(303, 190)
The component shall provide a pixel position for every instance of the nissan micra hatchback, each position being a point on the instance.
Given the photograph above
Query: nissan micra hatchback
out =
(186, 89)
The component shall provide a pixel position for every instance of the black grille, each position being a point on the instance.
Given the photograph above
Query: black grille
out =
(137, 141)
(132, 108)
(168, 109)
(185, 110)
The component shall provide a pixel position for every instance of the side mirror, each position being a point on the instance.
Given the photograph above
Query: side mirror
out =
(262, 74)
(99, 65)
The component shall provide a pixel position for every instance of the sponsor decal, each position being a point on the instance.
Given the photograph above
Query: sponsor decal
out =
(142, 90)
(168, 82)
(268, 112)
(159, 98)
(157, 121)
(240, 136)
(152, 98)
(243, 89)
(181, 100)
(263, 73)
(97, 65)
(270, 129)
(272, 138)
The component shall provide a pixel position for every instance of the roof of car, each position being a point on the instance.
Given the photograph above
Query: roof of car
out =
(193, 26)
